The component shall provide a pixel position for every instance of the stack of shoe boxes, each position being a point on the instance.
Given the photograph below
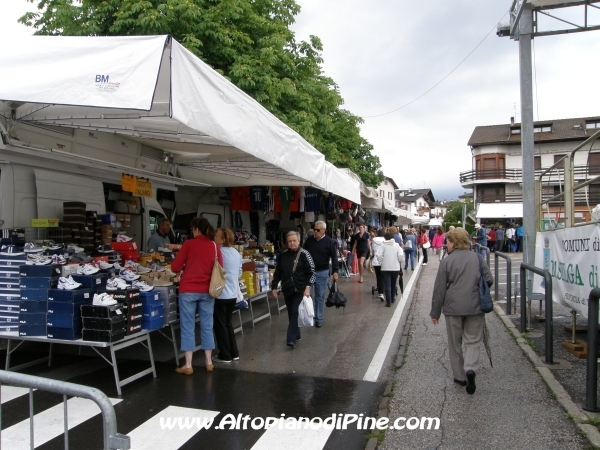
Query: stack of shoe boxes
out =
(104, 323)
(64, 312)
(152, 310)
(128, 250)
(88, 233)
(131, 306)
(97, 227)
(34, 282)
(107, 228)
(168, 298)
(95, 282)
(74, 216)
(10, 294)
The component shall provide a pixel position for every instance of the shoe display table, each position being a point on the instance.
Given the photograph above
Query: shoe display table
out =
(142, 337)
(256, 298)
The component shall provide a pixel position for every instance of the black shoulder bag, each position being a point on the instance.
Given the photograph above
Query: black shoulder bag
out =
(288, 287)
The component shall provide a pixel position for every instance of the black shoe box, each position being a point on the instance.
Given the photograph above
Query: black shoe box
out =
(79, 205)
(68, 334)
(65, 321)
(66, 307)
(95, 282)
(80, 295)
(37, 294)
(115, 323)
(104, 335)
(32, 318)
(33, 306)
(102, 312)
(51, 270)
(122, 295)
(38, 282)
(134, 327)
(32, 330)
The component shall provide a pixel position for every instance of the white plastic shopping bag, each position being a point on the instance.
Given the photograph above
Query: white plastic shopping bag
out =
(306, 312)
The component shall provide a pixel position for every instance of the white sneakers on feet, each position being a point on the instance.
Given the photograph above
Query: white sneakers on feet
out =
(103, 300)
(68, 284)
(116, 283)
(142, 286)
(87, 269)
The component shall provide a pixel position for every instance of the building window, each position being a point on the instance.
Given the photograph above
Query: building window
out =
(542, 129)
(592, 125)
(381, 193)
(537, 162)
(389, 195)
(557, 158)
(594, 163)
(385, 182)
(515, 130)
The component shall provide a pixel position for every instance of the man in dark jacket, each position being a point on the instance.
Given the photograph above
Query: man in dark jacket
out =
(294, 283)
(322, 250)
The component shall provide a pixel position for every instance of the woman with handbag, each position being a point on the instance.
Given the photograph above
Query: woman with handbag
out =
(456, 294)
(424, 244)
(225, 303)
(197, 259)
(296, 271)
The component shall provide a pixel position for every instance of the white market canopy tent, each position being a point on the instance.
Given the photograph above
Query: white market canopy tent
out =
(499, 211)
(154, 91)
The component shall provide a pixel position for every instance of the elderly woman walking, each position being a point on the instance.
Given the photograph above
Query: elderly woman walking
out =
(390, 256)
(296, 271)
(456, 294)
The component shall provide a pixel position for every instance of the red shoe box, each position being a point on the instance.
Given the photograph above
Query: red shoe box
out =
(124, 246)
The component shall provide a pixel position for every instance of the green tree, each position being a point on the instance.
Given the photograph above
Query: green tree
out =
(247, 41)
(454, 211)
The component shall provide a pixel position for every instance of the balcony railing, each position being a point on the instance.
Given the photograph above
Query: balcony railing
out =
(582, 197)
(580, 172)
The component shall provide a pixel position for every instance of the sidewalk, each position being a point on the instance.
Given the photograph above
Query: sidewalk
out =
(512, 407)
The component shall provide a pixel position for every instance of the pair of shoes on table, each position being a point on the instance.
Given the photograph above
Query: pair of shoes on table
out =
(291, 344)
(185, 370)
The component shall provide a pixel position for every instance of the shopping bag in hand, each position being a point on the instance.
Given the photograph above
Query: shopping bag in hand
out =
(335, 298)
(306, 312)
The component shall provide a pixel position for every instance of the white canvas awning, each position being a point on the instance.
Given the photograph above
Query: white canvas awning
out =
(154, 91)
(499, 211)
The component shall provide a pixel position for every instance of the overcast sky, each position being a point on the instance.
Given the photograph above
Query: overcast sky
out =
(385, 53)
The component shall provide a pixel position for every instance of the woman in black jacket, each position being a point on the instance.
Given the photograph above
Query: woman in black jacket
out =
(294, 283)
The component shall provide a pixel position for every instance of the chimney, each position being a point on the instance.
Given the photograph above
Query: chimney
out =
(512, 120)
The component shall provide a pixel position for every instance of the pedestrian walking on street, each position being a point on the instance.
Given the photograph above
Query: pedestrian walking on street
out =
(499, 239)
(424, 244)
(225, 303)
(391, 257)
(437, 243)
(296, 271)
(492, 239)
(519, 234)
(481, 238)
(376, 244)
(410, 246)
(399, 240)
(511, 239)
(196, 259)
(456, 294)
(322, 250)
(362, 246)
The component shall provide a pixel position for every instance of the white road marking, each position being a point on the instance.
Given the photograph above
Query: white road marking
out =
(275, 439)
(184, 424)
(49, 424)
(386, 341)
(9, 393)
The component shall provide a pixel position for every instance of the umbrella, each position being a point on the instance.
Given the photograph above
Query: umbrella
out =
(486, 342)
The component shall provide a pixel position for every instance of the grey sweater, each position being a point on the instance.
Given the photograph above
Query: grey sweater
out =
(456, 288)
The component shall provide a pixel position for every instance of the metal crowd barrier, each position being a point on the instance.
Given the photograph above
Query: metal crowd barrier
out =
(591, 380)
(477, 248)
(508, 279)
(112, 439)
(549, 331)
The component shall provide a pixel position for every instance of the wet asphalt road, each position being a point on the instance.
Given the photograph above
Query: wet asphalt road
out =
(322, 376)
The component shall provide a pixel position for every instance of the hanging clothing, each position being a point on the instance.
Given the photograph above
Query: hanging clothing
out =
(312, 199)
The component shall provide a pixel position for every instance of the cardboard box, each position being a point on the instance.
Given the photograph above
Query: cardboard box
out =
(34, 294)
(95, 282)
(32, 318)
(134, 327)
(38, 282)
(52, 270)
(44, 223)
(104, 335)
(32, 330)
(65, 308)
(75, 296)
(64, 321)
(32, 306)
(68, 334)
(101, 311)
(115, 323)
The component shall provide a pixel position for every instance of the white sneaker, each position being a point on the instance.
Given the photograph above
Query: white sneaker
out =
(68, 283)
(128, 275)
(38, 259)
(105, 265)
(103, 300)
(116, 283)
(58, 259)
(87, 269)
(142, 286)
(51, 245)
(130, 264)
(123, 238)
(74, 248)
(10, 250)
(424, 264)
(156, 268)
(31, 247)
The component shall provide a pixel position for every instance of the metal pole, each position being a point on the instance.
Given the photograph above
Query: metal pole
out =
(549, 320)
(569, 195)
(523, 301)
(527, 142)
(591, 380)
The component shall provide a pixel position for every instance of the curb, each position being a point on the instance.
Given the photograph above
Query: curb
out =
(406, 319)
(562, 396)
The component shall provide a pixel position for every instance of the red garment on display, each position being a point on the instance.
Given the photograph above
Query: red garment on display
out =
(345, 204)
(295, 202)
(240, 199)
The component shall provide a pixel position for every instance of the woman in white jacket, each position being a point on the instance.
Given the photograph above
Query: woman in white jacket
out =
(391, 258)
(376, 244)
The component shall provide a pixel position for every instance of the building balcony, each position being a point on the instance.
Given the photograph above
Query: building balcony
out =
(483, 176)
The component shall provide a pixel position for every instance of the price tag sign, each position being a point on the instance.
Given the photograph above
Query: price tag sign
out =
(143, 188)
(128, 183)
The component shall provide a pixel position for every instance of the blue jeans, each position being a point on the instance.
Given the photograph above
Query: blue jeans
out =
(204, 305)
(389, 281)
(317, 292)
(409, 253)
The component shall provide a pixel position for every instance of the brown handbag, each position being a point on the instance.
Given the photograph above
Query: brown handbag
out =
(217, 278)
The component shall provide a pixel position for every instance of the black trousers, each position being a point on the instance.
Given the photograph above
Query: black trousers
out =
(379, 278)
(223, 329)
(389, 281)
(424, 255)
(292, 303)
